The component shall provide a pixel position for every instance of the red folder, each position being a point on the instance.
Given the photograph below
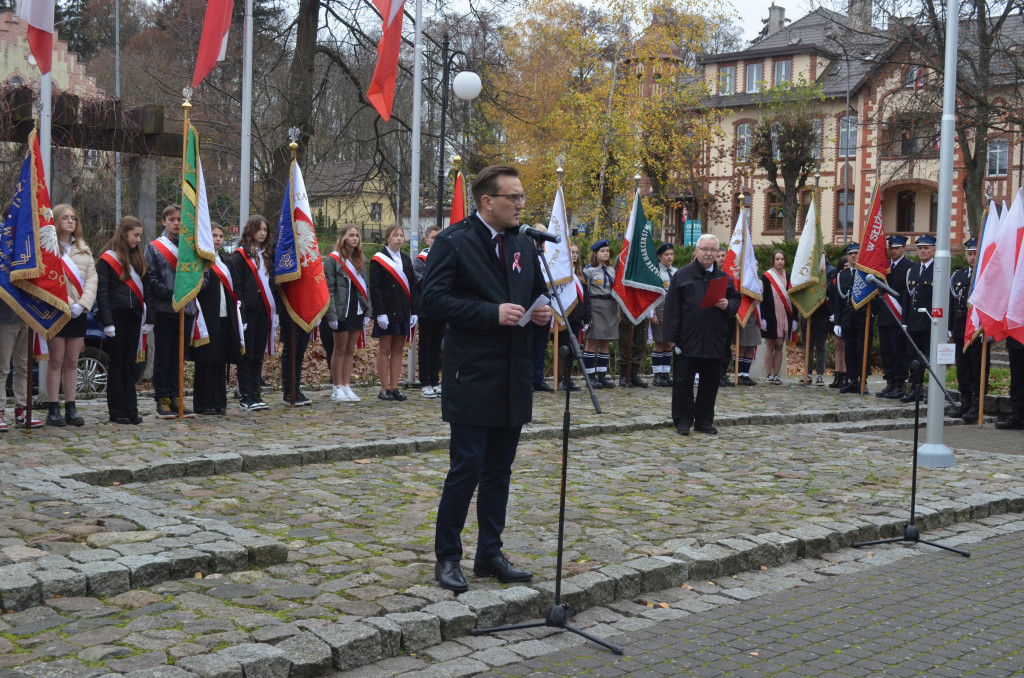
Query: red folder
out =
(716, 291)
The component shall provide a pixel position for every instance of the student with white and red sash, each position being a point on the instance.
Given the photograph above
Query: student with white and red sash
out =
(251, 267)
(64, 349)
(348, 311)
(431, 331)
(162, 260)
(121, 308)
(395, 300)
(222, 315)
(778, 321)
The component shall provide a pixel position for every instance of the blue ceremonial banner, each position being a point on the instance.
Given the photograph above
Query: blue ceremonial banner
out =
(286, 262)
(31, 278)
(862, 289)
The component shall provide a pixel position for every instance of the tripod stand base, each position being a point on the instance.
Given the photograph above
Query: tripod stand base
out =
(558, 617)
(913, 535)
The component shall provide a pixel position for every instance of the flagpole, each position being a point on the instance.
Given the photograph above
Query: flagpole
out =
(45, 117)
(117, 97)
(414, 178)
(187, 106)
(28, 379)
(807, 352)
(984, 382)
(246, 168)
(736, 358)
(867, 343)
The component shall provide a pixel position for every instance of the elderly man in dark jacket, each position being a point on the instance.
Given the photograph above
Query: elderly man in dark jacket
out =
(701, 335)
(481, 279)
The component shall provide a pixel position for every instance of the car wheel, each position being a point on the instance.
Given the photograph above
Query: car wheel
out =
(92, 372)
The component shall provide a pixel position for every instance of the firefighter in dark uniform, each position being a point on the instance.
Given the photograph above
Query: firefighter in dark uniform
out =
(968, 363)
(892, 343)
(918, 294)
(851, 323)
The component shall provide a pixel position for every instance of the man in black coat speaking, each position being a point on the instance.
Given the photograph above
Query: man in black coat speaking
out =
(701, 336)
(481, 279)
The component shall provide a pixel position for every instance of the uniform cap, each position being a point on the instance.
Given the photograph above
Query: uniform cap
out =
(925, 240)
(852, 247)
(598, 245)
(897, 240)
(971, 245)
(665, 247)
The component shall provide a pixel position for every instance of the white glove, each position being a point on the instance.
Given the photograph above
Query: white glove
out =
(832, 318)
(147, 328)
(110, 331)
(245, 326)
(382, 320)
(838, 331)
(76, 310)
(949, 334)
(333, 324)
(413, 320)
(795, 325)
(677, 350)
(903, 326)
(764, 325)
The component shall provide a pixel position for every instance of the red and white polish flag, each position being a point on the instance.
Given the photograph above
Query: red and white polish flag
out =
(213, 45)
(39, 15)
(382, 87)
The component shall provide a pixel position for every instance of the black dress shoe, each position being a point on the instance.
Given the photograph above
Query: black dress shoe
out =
(385, 395)
(884, 393)
(543, 386)
(710, 430)
(638, 382)
(120, 420)
(398, 395)
(682, 429)
(449, 576)
(135, 419)
(622, 382)
(725, 381)
(747, 381)
(605, 381)
(1013, 423)
(501, 569)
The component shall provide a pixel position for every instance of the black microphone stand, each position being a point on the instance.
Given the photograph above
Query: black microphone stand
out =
(910, 531)
(559, 614)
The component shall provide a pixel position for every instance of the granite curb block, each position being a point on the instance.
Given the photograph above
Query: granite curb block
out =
(347, 645)
(280, 457)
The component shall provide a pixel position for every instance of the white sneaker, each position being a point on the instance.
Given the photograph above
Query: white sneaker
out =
(352, 397)
(428, 392)
(437, 391)
(338, 394)
(3, 421)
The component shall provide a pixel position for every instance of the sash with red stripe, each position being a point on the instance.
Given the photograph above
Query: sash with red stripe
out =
(894, 306)
(395, 270)
(221, 269)
(265, 294)
(357, 281)
(72, 273)
(134, 283)
(168, 249)
(422, 255)
(779, 291)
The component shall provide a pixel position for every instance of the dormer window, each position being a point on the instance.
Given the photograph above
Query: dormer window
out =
(915, 77)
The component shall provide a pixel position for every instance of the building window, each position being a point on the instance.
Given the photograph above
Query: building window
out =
(998, 157)
(783, 71)
(848, 136)
(816, 150)
(934, 217)
(914, 77)
(91, 159)
(905, 211)
(806, 197)
(776, 150)
(316, 202)
(744, 140)
(16, 81)
(755, 73)
(726, 80)
(775, 215)
(375, 209)
(845, 212)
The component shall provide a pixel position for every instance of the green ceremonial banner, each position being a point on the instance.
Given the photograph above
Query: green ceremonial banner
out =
(195, 244)
(809, 280)
(638, 286)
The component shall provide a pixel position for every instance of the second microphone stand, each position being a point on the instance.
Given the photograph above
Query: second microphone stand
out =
(559, 614)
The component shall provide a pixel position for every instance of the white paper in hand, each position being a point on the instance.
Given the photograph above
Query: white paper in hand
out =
(542, 300)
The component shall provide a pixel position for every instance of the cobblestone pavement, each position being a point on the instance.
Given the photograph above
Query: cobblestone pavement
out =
(935, 614)
(285, 559)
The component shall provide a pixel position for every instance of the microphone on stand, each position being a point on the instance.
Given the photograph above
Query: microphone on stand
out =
(881, 285)
(537, 234)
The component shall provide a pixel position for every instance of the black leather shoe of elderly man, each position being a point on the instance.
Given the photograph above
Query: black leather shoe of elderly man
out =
(501, 569)
(449, 576)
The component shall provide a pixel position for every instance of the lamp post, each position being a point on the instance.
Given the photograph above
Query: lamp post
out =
(466, 86)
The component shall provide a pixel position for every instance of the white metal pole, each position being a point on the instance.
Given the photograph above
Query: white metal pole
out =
(934, 453)
(414, 178)
(117, 96)
(246, 164)
(45, 115)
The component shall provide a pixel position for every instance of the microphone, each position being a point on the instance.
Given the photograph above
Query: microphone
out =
(881, 285)
(537, 234)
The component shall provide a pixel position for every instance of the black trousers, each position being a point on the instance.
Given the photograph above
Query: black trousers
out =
(480, 456)
(166, 333)
(1016, 382)
(892, 345)
(968, 366)
(854, 340)
(327, 340)
(815, 343)
(299, 349)
(250, 367)
(685, 410)
(431, 332)
(639, 333)
(122, 349)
